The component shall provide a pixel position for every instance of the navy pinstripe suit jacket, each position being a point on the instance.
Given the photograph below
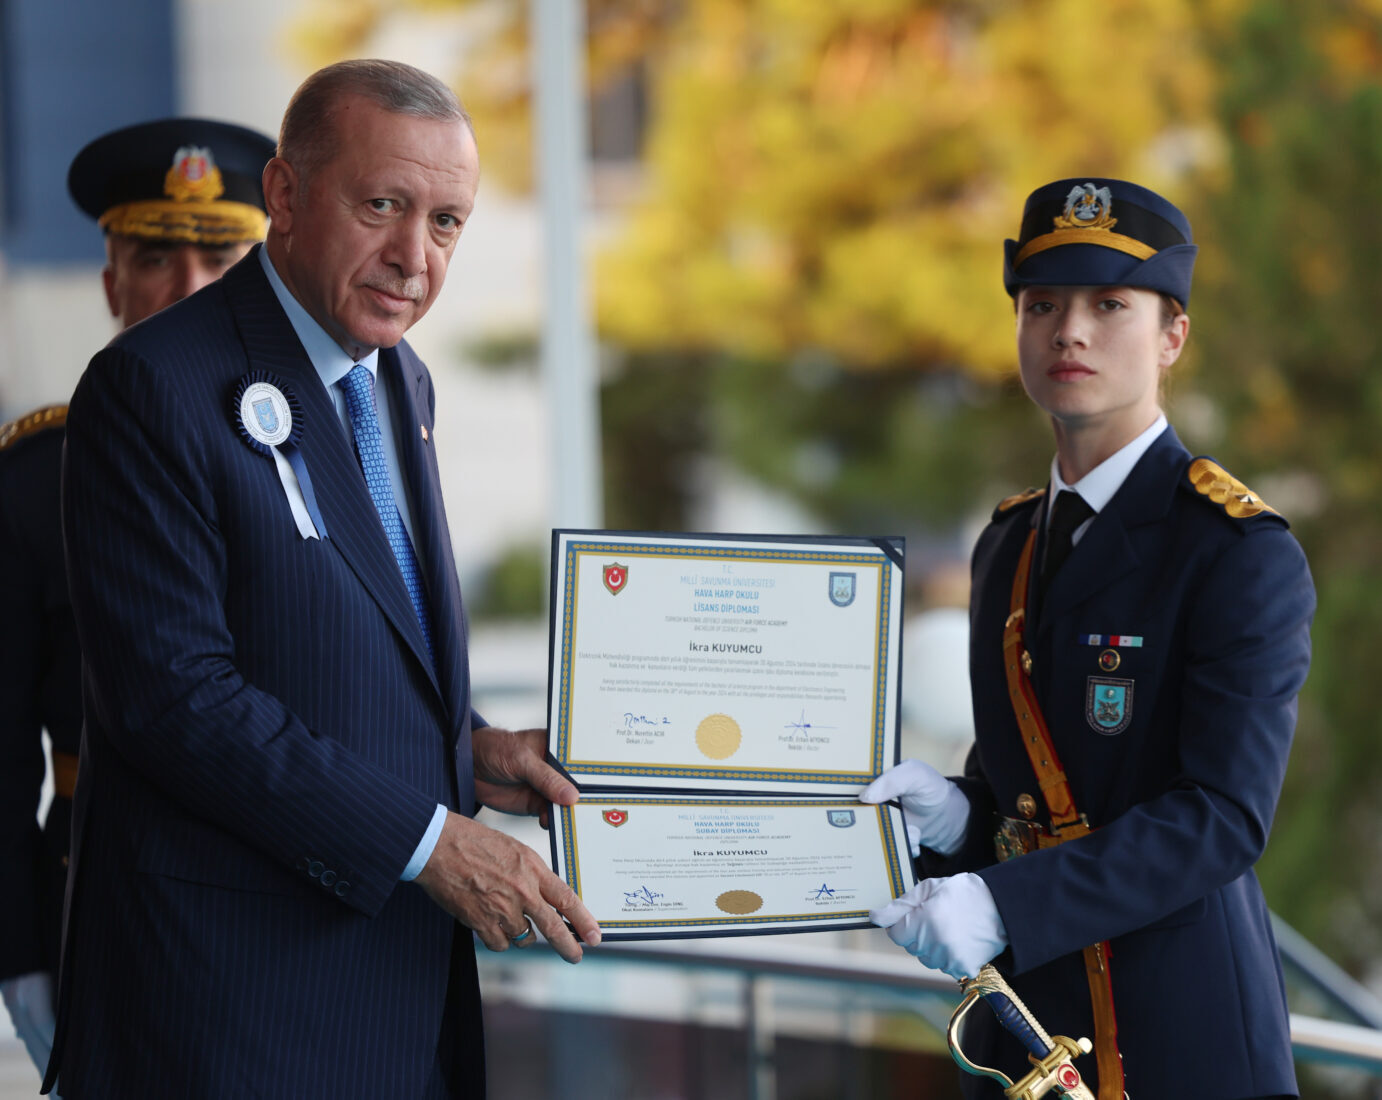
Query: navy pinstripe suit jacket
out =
(265, 740)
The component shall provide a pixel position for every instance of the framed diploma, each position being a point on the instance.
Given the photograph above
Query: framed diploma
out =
(731, 864)
(721, 701)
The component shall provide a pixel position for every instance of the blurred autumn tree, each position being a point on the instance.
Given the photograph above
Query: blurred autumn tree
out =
(1287, 322)
(826, 188)
(808, 283)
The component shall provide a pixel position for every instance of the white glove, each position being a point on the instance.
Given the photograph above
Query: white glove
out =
(932, 803)
(30, 1000)
(950, 924)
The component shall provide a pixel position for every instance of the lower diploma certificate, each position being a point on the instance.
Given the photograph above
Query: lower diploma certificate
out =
(647, 866)
(721, 701)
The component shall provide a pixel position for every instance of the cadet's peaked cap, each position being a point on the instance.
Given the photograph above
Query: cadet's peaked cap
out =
(1100, 232)
(184, 180)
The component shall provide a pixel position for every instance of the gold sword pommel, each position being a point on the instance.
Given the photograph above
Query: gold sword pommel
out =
(1051, 1057)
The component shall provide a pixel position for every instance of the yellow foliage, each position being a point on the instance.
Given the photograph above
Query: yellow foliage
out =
(1352, 50)
(328, 30)
(877, 154)
(840, 177)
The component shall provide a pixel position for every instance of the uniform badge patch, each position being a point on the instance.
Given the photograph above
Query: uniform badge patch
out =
(1108, 704)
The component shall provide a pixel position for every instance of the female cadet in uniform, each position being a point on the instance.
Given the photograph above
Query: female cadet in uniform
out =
(1165, 654)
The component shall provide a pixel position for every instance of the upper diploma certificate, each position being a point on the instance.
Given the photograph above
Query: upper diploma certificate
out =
(725, 663)
(690, 671)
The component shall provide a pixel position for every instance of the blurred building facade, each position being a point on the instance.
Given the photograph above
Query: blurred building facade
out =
(76, 69)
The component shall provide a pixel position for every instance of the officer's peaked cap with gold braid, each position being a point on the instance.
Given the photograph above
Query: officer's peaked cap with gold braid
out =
(182, 180)
(1101, 232)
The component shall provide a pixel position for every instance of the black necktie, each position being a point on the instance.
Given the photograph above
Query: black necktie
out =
(1069, 512)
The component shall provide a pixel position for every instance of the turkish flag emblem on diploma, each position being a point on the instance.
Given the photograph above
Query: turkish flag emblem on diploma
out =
(615, 817)
(616, 576)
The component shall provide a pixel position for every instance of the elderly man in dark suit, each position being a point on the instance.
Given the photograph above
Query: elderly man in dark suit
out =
(273, 833)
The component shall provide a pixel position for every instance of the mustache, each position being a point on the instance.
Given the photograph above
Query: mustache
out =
(412, 289)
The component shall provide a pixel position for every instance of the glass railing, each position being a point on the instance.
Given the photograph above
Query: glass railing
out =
(830, 1015)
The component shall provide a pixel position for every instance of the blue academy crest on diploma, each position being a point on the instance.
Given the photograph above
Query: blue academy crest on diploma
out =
(267, 415)
(841, 819)
(1108, 704)
(842, 589)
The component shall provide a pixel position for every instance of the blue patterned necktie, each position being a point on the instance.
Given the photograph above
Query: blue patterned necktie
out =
(369, 447)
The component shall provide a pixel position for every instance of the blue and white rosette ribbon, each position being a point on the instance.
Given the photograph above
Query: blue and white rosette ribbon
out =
(269, 419)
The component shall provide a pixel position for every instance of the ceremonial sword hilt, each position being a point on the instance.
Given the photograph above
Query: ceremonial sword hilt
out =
(1051, 1057)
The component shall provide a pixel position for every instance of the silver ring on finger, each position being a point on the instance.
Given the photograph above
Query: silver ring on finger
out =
(523, 938)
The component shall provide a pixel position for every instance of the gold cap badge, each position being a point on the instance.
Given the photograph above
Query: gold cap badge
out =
(193, 176)
(1087, 207)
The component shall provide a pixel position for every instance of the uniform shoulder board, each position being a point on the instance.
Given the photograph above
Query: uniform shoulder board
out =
(1212, 481)
(50, 416)
(1008, 504)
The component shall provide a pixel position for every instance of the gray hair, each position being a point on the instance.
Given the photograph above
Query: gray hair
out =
(307, 138)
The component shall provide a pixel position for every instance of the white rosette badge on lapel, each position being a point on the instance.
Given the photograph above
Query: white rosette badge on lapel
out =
(269, 419)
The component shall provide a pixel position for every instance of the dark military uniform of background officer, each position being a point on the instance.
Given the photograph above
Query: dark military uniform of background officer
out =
(40, 685)
(179, 201)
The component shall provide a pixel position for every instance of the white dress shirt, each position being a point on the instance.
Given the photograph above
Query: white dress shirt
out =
(1098, 486)
(333, 364)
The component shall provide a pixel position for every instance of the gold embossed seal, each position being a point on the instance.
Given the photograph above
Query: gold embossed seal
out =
(718, 736)
(739, 902)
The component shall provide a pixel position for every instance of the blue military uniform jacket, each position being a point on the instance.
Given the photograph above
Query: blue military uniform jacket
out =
(40, 688)
(266, 736)
(1177, 755)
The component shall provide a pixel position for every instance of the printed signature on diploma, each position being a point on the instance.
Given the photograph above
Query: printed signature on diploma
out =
(641, 896)
(803, 727)
(824, 892)
(631, 719)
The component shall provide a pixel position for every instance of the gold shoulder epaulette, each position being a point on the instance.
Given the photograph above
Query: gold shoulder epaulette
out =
(50, 416)
(1007, 504)
(1213, 481)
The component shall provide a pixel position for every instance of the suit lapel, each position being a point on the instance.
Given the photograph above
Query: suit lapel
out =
(408, 389)
(1108, 549)
(352, 522)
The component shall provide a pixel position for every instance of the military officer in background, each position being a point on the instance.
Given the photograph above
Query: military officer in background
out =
(179, 201)
(1139, 630)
